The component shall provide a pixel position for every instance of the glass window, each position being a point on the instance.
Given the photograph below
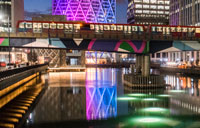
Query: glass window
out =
(146, 11)
(184, 29)
(92, 26)
(160, 7)
(191, 29)
(37, 25)
(138, 6)
(178, 29)
(119, 28)
(52, 26)
(134, 28)
(46, 25)
(138, 11)
(60, 26)
(153, 1)
(21, 25)
(113, 27)
(145, 6)
(197, 30)
(69, 26)
(101, 27)
(106, 27)
(77, 26)
(153, 29)
(153, 6)
(28, 25)
(173, 29)
(96, 28)
(159, 29)
(140, 28)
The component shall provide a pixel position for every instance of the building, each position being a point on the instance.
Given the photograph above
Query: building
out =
(44, 17)
(10, 12)
(185, 12)
(148, 12)
(95, 11)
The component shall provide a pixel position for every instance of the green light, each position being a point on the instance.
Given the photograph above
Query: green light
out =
(155, 110)
(164, 95)
(148, 120)
(154, 121)
(178, 91)
(126, 98)
(149, 99)
(137, 94)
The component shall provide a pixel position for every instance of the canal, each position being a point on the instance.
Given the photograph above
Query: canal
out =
(98, 98)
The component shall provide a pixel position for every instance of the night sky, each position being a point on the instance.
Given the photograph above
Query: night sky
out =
(42, 6)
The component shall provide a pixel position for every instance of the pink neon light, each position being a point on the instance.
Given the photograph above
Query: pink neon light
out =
(91, 44)
(1, 40)
(132, 45)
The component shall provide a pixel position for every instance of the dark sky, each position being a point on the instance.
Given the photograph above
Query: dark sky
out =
(42, 6)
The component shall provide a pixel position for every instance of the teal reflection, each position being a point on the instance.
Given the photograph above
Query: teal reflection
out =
(153, 122)
(164, 95)
(150, 99)
(137, 94)
(155, 110)
(126, 98)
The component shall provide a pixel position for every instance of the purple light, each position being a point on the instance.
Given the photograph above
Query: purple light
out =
(101, 94)
(92, 11)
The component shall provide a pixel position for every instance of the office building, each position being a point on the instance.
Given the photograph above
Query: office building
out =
(148, 12)
(185, 12)
(91, 11)
(10, 12)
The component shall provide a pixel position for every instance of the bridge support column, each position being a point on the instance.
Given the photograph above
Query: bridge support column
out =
(139, 59)
(146, 65)
(143, 65)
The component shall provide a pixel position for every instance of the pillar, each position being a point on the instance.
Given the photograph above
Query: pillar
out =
(143, 64)
(138, 63)
(146, 65)
(83, 58)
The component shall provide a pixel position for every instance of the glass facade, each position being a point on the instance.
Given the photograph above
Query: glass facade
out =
(185, 12)
(148, 12)
(92, 11)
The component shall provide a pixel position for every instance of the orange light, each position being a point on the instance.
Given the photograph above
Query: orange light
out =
(81, 25)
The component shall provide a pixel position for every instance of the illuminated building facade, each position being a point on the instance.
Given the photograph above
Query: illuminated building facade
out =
(185, 12)
(92, 11)
(148, 12)
(10, 12)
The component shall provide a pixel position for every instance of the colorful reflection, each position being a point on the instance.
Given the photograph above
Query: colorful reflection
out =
(101, 94)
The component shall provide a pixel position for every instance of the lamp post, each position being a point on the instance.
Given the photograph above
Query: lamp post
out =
(9, 38)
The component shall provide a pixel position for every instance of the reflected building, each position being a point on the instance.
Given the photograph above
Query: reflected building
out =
(60, 104)
(101, 94)
(148, 12)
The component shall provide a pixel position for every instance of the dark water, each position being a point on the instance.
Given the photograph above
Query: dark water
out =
(98, 98)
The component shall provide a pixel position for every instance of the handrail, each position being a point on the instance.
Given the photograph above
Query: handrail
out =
(7, 73)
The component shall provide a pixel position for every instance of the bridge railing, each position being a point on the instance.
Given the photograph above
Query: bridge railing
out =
(8, 73)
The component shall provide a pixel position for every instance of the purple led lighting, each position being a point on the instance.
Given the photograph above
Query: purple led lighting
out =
(91, 11)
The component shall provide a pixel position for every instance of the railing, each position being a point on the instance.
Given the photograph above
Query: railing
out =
(11, 72)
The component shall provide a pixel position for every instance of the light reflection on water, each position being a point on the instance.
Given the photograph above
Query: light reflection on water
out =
(99, 94)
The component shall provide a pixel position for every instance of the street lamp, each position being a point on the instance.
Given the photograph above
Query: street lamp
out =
(8, 27)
